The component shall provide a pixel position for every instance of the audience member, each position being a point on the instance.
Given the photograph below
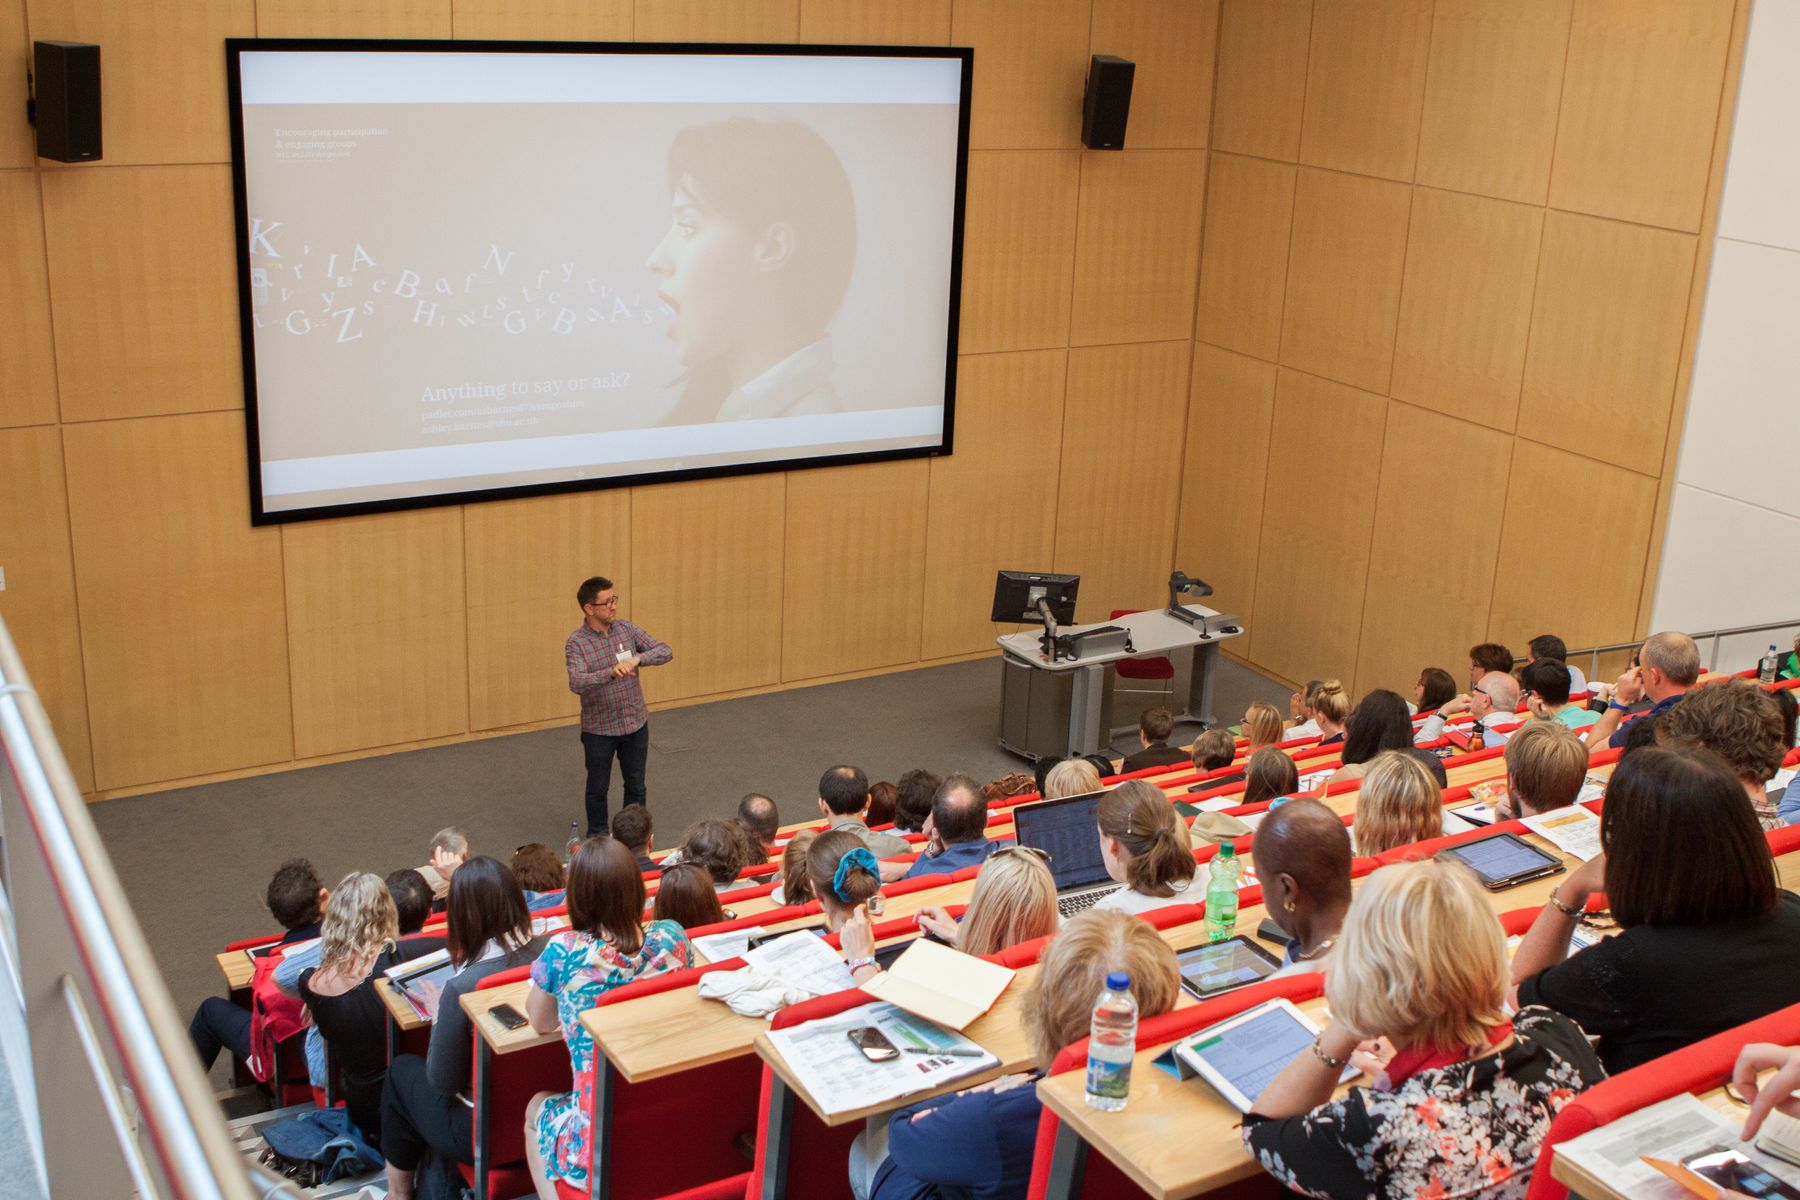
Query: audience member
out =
(1302, 855)
(1740, 723)
(1014, 901)
(844, 800)
(1146, 848)
(1436, 687)
(1378, 722)
(605, 947)
(958, 829)
(1546, 687)
(1668, 665)
(449, 850)
(421, 1108)
(1330, 709)
(1268, 775)
(412, 901)
(794, 887)
(1301, 723)
(882, 811)
(724, 848)
(1691, 883)
(1398, 804)
(1787, 802)
(913, 795)
(295, 898)
(1790, 666)
(1493, 702)
(1103, 766)
(1780, 1092)
(1155, 725)
(635, 830)
(1262, 726)
(1435, 765)
(1040, 770)
(1214, 750)
(540, 872)
(1464, 1103)
(843, 874)
(1071, 777)
(1549, 646)
(757, 813)
(1488, 658)
(1638, 734)
(686, 896)
(1546, 765)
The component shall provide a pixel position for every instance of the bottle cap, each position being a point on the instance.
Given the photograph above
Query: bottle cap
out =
(1118, 981)
(1227, 850)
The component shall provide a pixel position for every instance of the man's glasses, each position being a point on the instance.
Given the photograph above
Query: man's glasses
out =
(613, 602)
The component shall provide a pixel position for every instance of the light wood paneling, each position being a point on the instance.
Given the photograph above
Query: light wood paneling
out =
(717, 20)
(1557, 574)
(1639, 109)
(525, 559)
(1491, 96)
(1031, 61)
(18, 144)
(547, 20)
(1365, 83)
(1465, 308)
(1172, 45)
(1231, 402)
(27, 360)
(162, 65)
(353, 18)
(1121, 473)
(376, 630)
(876, 22)
(1343, 286)
(1433, 553)
(706, 579)
(1606, 339)
(1244, 255)
(180, 600)
(1009, 421)
(1261, 77)
(1318, 508)
(39, 600)
(1018, 250)
(144, 281)
(1137, 245)
(850, 580)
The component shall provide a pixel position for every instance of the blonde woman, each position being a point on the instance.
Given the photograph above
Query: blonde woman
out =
(1262, 726)
(1330, 710)
(1014, 901)
(1146, 847)
(1071, 777)
(1463, 1104)
(1399, 803)
(359, 932)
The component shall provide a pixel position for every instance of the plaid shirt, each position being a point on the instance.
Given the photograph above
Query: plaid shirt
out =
(611, 704)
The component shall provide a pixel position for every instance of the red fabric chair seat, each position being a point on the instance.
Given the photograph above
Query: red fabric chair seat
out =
(1142, 668)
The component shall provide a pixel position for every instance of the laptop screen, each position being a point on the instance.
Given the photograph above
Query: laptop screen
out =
(1066, 830)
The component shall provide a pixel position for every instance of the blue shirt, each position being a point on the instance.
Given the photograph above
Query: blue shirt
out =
(973, 1146)
(954, 858)
(1789, 808)
(1662, 706)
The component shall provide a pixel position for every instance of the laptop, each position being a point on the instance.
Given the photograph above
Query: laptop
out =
(1066, 830)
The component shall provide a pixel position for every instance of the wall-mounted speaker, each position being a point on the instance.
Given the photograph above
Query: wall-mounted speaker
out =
(1108, 102)
(66, 78)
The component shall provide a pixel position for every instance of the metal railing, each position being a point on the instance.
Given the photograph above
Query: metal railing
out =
(125, 1108)
(1714, 636)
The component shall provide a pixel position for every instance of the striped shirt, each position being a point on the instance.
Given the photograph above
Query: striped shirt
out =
(611, 704)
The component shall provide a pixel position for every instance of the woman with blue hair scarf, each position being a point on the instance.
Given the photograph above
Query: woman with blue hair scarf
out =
(844, 875)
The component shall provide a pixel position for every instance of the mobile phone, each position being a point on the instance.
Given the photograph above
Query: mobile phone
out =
(1728, 1168)
(1271, 932)
(508, 1016)
(874, 1044)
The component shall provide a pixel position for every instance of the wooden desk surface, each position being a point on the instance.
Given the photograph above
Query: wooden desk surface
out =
(237, 968)
(501, 1040)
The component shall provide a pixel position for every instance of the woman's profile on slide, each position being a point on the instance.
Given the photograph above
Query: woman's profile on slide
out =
(755, 262)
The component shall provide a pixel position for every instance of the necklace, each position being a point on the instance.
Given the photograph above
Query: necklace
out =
(1317, 950)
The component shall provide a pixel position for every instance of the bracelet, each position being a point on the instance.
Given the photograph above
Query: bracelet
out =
(1617, 707)
(1567, 910)
(857, 964)
(1336, 1064)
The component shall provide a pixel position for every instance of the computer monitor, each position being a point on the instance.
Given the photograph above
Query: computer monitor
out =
(1016, 596)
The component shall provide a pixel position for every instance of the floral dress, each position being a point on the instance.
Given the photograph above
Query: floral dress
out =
(576, 969)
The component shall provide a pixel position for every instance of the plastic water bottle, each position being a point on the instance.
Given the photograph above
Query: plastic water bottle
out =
(1222, 893)
(1770, 666)
(574, 839)
(1112, 1040)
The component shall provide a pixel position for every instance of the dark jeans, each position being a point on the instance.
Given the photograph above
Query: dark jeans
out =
(219, 1024)
(415, 1116)
(633, 750)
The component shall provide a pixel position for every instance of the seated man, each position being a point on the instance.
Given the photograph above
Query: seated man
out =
(1212, 751)
(1154, 728)
(449, 850)
(757, 813)
(296, 899)
(1668, 665)
(1486, 658)
(1548, 645)
(1546, 765)
(1546, 686)
(844, 799)
(634, 828)
(1494, 701)
(957, 828)
(1740, 723)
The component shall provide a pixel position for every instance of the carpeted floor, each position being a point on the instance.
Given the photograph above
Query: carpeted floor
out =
(194, 861)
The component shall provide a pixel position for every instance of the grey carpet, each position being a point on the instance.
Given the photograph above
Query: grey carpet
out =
(194, 861)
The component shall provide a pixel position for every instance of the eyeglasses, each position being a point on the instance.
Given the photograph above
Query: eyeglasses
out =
(1042, 856)
(611, 602)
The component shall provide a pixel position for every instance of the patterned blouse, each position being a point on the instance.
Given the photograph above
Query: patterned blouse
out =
(576, 969)
(1456, 1133)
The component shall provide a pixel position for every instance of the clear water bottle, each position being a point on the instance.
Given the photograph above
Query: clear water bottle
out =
(574, 840)
(1222, 893)
(1112, 1040)
(1770, 666)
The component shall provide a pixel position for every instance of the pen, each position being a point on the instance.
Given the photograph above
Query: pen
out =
(948, 1053)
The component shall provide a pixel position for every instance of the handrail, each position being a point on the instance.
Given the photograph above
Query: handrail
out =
(70, 909)
(1594, 652)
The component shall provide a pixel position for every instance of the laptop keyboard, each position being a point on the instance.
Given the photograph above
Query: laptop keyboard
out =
(1068, 906)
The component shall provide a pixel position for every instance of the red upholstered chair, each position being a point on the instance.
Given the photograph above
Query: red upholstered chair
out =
(501, 1087)
(1153, 675)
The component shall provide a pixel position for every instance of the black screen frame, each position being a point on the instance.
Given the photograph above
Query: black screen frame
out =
(235, 47)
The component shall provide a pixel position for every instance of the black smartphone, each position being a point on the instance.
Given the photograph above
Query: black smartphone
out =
(1727, 1168)
(1269, 931)
(508, 1016)
(874, 1044)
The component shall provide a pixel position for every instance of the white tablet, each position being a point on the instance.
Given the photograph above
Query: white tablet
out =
(1242, 1056)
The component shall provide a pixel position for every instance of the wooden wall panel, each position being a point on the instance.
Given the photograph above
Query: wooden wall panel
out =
(855, 554)
(1606, 339)
(162, 65)
(1018, 250)
(876, 22)
(144, 280)
(353, 18)
(180, 599)
(18, 144)
(1491, 96)
(376, 630)
(1365, 83)
(1261, 77)
(717, 20)
(27, 358)
(1137, 246)
(1465, 308)
(39, 600)
(1009, 422)
(1121, 473)
(1031, 61)
(1244, 254)
(1343, 288)
(1433, 554)
(1325, 448)
(1578, 578)
(706, 579)
(547, 20)
(1640, 106)
(1231, 403)
(523, 562)
(1172, 45)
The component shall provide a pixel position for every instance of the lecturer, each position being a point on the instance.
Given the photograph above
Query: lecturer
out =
(603, 658)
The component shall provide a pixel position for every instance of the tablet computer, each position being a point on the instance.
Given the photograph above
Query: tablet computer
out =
(1242, 1056)
(1221, 966)
(1503, 860)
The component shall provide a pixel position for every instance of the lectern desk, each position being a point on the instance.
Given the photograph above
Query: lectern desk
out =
(1034, 690)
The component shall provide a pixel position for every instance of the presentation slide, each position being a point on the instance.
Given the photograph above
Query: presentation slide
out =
(473, 271)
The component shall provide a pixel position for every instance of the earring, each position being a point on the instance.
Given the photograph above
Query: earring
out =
(1287, 906)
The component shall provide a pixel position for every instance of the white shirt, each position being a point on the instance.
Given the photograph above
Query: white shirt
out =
(1433, 728)
(1128, 901)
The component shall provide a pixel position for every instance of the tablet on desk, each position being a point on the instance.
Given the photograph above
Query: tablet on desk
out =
(1242, 1056)
(1222, 966)
(1504, 860)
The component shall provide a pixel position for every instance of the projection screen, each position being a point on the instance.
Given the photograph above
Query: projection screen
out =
(492, 269)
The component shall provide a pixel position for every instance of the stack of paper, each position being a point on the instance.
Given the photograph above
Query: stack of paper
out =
(802, 960)
(1574, 830)
(717, 947)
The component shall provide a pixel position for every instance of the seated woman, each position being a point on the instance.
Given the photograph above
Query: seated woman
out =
(980, 1142)
(489, 931)
(1435, 688)
(1398, 804)
(1464, 1103)
(1263, 726)
(357, 939)
(1071, 777)
(843, 874)
(1146, 848)
(1014, 901)
(1708, 936)
(685, 896)
(1330, 709)
(883, 805)
(1380, 722)
(1302, 854)
(604, 947)
(540, 873)
(1269, 774)
(793, 888)
(1301, 723)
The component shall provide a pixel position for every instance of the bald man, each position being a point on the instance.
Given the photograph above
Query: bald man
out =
(1668, 665)
(1302, 856)
(1493, 700)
